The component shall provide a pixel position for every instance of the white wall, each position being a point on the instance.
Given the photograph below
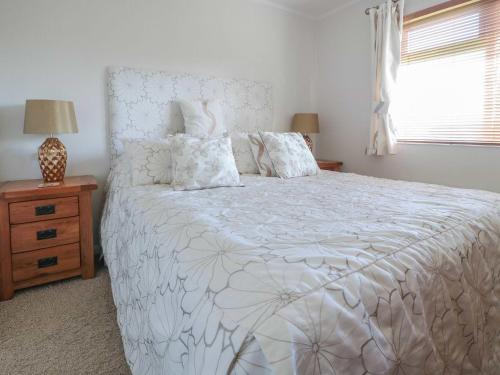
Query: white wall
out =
(344, 107)
(58, 49)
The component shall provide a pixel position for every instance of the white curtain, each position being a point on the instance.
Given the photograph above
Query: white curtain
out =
(386, 23)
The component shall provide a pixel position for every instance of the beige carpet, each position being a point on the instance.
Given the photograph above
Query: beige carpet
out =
(67, 327)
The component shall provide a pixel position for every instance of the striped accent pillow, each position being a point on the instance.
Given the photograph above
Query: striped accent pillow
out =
(261, 156)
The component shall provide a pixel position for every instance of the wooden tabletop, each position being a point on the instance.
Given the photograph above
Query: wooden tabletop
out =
(329, 162)
(25, 188)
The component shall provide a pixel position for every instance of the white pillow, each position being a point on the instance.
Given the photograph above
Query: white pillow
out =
(261, 156)
(201, 163)
(150, 160)
(203, 118)
(289, 154)
(243, 155)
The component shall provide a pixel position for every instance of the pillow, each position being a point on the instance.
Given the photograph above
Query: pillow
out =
(261, 156)
(289, 154)
(201, 163)
(243, 155)
(150, 161)
(203, 118)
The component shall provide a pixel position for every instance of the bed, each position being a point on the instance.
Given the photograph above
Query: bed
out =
(330, 274)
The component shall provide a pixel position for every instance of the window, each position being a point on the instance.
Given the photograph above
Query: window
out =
(449, 83)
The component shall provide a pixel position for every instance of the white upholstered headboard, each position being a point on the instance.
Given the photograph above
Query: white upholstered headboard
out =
(142, 103)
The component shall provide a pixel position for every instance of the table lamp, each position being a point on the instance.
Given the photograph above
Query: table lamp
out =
(49, 117)
(306, 123)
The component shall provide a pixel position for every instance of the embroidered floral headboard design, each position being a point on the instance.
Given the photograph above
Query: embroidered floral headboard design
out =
(143, 103)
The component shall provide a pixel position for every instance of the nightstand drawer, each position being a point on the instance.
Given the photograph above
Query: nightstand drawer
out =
(45, 209)
(42, 234)
(45, 262)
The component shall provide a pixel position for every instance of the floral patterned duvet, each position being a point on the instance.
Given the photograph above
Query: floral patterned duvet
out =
(332, 274)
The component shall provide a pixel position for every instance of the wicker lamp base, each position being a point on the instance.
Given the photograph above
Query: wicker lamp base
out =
(52, 157)
(309, 141)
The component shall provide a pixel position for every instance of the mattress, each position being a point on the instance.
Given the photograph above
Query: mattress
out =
(332, 274)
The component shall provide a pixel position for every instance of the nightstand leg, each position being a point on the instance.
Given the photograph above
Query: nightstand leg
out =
(86, 235)
(6, 285)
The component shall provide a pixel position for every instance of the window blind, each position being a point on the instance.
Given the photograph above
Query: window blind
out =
(448, 88)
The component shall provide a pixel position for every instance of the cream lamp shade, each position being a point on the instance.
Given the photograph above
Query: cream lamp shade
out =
(49, 116)
(306, 123)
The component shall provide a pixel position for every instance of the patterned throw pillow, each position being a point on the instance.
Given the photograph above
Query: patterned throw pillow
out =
(201, 163)
(290, 155)
(203, 118)
(150, 160)
(243, 155)
(261, 156)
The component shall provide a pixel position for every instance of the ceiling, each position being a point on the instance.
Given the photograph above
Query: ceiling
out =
(311, 8)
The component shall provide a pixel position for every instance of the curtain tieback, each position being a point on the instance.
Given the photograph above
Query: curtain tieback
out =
(381, 107)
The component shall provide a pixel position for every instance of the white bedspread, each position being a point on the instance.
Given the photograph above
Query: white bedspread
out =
(334, 274)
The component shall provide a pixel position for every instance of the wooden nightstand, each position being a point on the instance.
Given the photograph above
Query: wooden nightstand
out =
(328, 165)
(45, 233)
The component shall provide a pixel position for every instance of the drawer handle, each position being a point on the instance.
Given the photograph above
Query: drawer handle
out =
(45, 210)
(47, 262)
(46, 234)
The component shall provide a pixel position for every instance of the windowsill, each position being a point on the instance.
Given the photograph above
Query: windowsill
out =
(488, 145)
